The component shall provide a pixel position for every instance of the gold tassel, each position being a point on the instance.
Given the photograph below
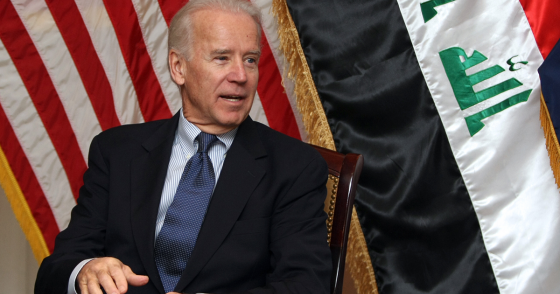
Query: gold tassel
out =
(316, 125)
(308, 102)
(21, 210)
(358, 261)
(551, 141)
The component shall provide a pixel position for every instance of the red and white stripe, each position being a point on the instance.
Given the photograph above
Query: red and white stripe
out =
(70, 69)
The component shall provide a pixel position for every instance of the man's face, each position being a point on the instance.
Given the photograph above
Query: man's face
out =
(220, 78)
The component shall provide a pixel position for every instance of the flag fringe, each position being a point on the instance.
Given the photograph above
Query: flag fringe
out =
(308, 102)
(309, 105)
(21, 210)
(358, 259)
(551, 141)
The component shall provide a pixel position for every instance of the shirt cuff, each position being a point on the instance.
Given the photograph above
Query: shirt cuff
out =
(75, 272)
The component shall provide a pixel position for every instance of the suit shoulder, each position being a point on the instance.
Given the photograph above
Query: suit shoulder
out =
(126, 140)
(132, 132)
(277, 142)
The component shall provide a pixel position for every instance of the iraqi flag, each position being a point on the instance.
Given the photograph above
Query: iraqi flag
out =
(442, 98)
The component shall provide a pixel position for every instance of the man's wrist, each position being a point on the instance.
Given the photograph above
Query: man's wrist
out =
(73, 287)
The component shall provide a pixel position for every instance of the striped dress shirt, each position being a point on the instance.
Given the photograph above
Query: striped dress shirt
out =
(184, 147)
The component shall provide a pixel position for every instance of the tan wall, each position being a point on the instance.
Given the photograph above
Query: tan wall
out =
(18, 266)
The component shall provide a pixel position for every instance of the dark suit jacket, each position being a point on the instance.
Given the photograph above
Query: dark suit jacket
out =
(264, 231)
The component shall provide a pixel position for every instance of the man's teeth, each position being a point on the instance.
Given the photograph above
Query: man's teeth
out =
(232, 98)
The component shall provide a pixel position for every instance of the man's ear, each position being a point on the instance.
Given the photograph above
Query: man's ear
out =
(177, 67)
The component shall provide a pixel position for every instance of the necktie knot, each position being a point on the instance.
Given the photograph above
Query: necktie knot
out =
(205, 141)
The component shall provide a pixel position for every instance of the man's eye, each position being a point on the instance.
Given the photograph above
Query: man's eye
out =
(221, 58)
(251, 60)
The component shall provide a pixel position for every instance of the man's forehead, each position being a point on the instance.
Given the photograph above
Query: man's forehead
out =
(219, 28)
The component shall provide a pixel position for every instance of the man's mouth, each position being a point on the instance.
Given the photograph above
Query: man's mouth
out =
(232, 98)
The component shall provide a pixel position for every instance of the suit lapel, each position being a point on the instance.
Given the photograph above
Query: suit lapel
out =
(148, 173)
(240, 175)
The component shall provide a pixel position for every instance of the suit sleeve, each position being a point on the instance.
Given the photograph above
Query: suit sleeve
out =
(84, 236)
(301, 258)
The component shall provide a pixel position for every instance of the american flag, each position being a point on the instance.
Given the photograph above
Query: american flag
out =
(71, 69)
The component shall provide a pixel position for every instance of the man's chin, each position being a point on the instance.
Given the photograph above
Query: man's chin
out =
(233, 119)
(222, 125)
(232, 124)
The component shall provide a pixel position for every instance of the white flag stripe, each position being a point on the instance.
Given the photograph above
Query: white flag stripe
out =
(106, 45)
(34, 140)
(270, 28)
(42, 29)
(257, 111)
(505, 165)
(154, 31)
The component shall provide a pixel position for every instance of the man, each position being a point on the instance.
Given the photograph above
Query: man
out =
(161, 210)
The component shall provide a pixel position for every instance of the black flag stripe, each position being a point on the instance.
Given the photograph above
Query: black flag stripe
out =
(422, 233)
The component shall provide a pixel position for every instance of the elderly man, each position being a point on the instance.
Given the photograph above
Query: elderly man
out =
(164, 209)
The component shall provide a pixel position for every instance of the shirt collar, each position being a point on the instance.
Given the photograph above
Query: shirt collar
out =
(187, 132)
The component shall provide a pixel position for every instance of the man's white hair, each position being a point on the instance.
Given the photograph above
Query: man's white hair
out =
(180, 29)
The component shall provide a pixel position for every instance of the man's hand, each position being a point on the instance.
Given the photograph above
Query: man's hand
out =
(109, 273)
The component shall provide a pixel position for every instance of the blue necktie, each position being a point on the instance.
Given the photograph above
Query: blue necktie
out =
(176, 240)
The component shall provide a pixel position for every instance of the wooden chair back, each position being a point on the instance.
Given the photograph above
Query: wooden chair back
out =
(344, 173)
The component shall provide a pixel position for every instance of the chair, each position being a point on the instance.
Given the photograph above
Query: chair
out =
(344, 173)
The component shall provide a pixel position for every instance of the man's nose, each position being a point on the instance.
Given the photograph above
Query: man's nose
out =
(238, 72)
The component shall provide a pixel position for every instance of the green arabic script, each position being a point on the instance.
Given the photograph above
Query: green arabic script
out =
(462, 85)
